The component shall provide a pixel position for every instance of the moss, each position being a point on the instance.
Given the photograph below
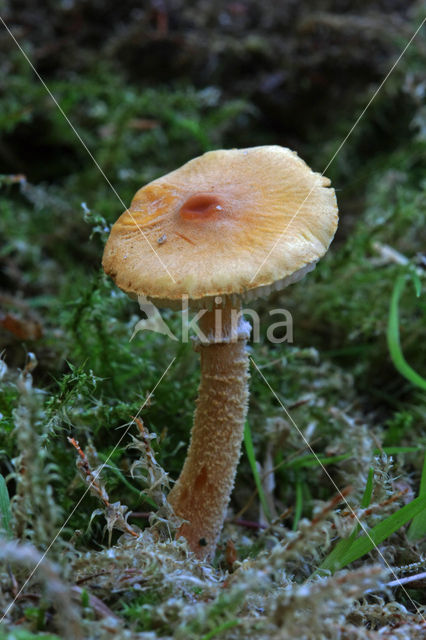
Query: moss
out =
(356, 411)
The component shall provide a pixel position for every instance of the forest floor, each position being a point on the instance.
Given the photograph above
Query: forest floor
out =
(147, 90)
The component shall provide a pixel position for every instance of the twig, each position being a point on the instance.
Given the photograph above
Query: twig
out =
(115, 512)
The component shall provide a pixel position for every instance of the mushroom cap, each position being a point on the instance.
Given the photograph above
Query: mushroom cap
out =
(228, 222)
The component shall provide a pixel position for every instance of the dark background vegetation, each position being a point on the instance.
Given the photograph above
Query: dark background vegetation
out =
(148, 86)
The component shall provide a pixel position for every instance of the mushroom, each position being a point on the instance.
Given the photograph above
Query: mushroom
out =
(238, 223)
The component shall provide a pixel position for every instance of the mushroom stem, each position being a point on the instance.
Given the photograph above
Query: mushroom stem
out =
(201, 493)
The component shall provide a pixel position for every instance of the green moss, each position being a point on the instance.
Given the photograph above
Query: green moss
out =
(356, 411)
(140, 610)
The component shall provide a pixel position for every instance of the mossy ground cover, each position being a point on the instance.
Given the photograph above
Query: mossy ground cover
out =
(292, 562)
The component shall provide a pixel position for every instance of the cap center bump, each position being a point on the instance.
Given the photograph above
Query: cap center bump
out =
(200, 206)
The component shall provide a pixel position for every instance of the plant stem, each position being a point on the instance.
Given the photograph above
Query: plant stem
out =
(201, 494)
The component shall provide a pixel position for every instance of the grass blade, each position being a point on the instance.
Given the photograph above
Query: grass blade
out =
(393, 338)
(383, 530)
(417, 528)
(334, 558)
(248, 442)
(222, 627)
(311, 460)
(5, 513)
(368, 492)
(299, 504)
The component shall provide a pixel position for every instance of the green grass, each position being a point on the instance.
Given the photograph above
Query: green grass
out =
(417, 529)
(393, 333)
(254, 469)
(5, 512)
(334, 559)
(382, 531)
(214, 633)
(353, 548)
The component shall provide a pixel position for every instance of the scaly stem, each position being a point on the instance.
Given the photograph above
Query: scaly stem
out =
(201, 494)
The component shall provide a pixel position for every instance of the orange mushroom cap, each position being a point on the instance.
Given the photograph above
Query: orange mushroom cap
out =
(227, 222)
